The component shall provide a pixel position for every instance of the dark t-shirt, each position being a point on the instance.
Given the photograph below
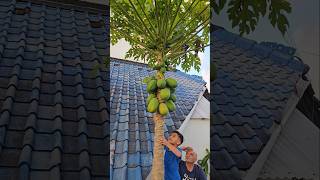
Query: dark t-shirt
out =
(196, 174)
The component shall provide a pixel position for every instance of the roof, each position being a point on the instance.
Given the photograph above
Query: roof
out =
(202, 109)
(98, 6)
(254, 83)
(309, 105)
(53, 121)
(132, 128)
(294, 155)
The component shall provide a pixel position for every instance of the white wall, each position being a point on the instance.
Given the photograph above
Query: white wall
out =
(197, 135)
(295, 153)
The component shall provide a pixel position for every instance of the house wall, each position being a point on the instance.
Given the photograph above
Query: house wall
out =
(197, 135)
(295, 153)
(196, 130)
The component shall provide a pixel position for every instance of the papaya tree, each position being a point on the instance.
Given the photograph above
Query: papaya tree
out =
(245, 14)
(164, 34)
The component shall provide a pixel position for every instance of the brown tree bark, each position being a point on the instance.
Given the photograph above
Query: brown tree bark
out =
(157, 172)
(158, 151)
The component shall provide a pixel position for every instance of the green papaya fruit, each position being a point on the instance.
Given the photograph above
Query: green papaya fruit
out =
(153, 105)
(172, 83)
(172, 90)
(163, 69)
(150, 97)
(165, 94)
(152, 86)
(146, 80)
(163, 109)
(171, 106)
(161, 83)
(173, 97)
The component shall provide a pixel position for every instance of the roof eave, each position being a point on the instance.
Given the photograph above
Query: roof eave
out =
(275, 130)
(188, 117)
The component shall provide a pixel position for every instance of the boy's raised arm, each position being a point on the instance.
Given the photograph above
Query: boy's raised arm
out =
(172, 148)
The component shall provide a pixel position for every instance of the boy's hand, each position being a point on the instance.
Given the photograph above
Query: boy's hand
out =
(186, 148)
(163, 141)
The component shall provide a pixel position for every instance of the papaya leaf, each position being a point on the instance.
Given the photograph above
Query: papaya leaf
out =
(162, 27)
(245, 14)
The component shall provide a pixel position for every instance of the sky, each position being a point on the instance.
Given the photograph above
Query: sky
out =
(303, 34)
(119, 50)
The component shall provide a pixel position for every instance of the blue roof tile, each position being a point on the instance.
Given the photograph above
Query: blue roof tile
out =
(53, 120)
(254, 82)
(133, 123)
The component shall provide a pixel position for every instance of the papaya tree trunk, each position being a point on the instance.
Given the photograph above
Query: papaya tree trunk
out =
(157, 172)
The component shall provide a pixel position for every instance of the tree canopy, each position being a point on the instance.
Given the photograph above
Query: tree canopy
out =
(175, 29)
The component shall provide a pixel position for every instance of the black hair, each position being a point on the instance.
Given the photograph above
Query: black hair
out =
(179, 134)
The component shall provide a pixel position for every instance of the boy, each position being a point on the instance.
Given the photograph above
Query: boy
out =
(172, 155)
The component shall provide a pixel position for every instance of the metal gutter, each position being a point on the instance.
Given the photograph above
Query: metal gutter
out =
(254, 171)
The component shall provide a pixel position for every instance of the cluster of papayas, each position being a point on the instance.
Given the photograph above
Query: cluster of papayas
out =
(164, 66)
(161, 94)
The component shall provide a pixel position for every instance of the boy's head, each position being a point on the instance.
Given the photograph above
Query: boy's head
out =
(175, 138)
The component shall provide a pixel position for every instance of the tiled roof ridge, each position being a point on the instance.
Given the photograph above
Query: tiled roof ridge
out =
(280, 47)
(129, 62)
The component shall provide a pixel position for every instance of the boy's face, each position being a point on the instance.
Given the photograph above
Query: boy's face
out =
(174, 139)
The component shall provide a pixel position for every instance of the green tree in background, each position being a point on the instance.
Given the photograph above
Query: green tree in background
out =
(245, 14)
(165, 34)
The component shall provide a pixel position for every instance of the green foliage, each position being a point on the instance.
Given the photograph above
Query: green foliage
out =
(245, 14)
(175, 30)
(204, 162)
